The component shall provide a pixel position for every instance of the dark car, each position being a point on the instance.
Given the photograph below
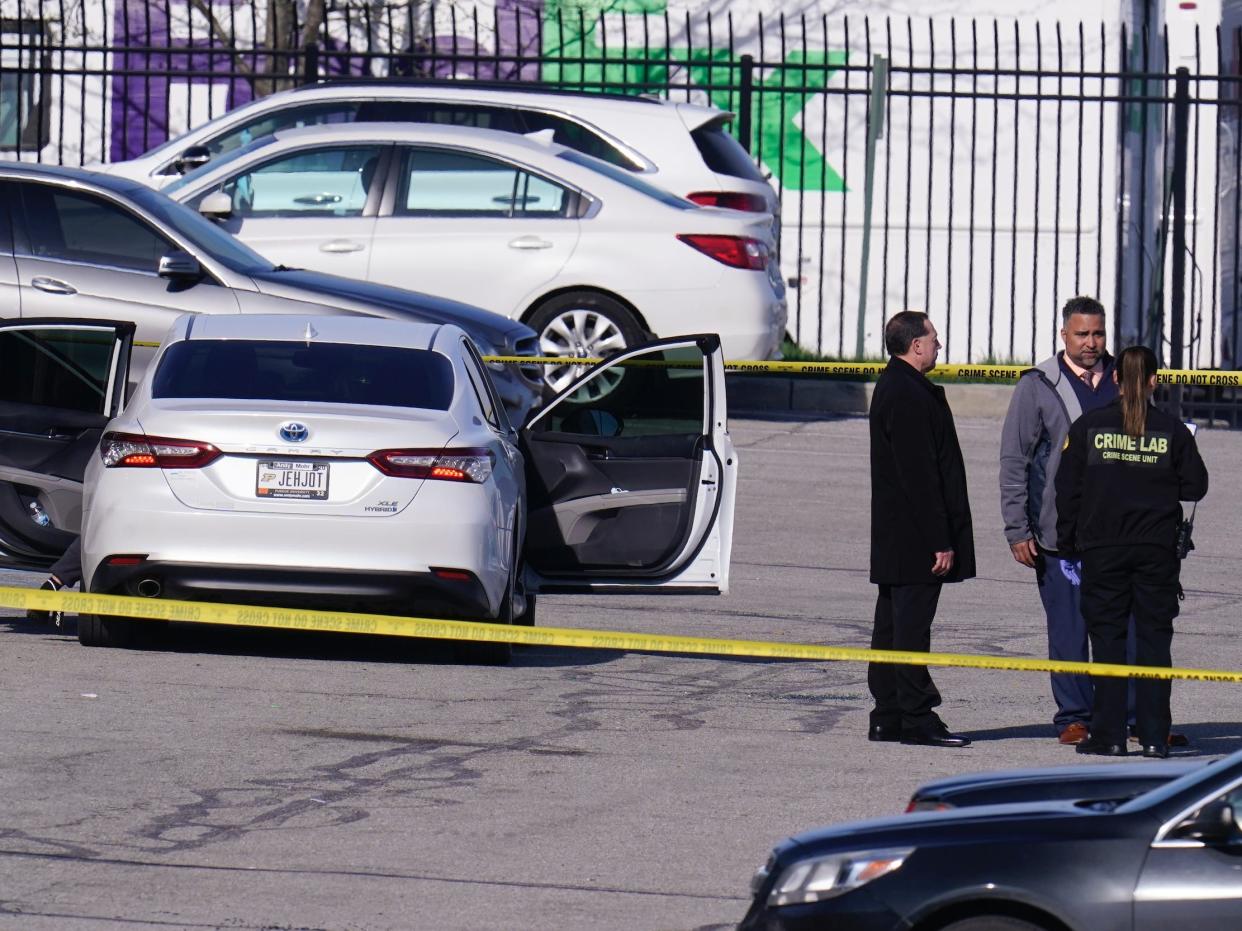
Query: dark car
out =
(1172, 857)
(1105, 781)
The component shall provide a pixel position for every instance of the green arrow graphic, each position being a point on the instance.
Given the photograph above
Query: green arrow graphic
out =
(574, 57)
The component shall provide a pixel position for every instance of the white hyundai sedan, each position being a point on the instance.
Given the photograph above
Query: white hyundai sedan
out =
(593, 257)
(364, 464)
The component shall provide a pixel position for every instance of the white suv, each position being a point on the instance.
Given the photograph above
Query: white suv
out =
(681, 147)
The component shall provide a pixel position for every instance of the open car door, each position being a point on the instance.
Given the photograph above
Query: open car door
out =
(631, 475)
(61, 381)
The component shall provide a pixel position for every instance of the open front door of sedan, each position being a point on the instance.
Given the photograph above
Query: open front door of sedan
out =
(61, 381)
(631, 475)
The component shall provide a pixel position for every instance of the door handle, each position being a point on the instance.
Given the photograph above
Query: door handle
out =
(341, 245)
(317, 200)
(529, 242)
(52, 285)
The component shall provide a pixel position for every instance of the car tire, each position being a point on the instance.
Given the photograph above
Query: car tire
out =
(582, 324)
(992, 923)
(96, 630)
(487, 653)
(527, 617)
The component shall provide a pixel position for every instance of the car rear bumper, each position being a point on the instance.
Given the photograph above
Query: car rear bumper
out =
(403, 593)
(743, 309)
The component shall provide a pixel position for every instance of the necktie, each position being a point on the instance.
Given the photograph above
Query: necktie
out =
(1088, 378)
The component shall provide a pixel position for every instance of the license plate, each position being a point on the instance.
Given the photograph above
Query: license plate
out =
(284, 478)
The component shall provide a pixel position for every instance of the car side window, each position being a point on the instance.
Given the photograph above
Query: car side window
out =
(75, 226)
(443, 113)
(660, 393)
(439, 183)
(501, 416)
(479, 383)
(328, 181)
(56, 367)
(574, 135)
(290, 118)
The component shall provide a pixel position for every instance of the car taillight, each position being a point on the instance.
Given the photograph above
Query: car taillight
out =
(136, 451)
(734, 251)
(923, 805)
(731, 200)
(470, 464)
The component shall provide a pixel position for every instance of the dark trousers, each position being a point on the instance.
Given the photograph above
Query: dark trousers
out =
(1117, 582)
(904, 695)
(69, 567)
(1059, 591)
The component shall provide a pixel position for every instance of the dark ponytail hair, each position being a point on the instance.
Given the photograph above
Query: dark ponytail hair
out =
(1135, 367)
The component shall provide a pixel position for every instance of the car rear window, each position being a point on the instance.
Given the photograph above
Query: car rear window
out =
(724, 154)
(325, 373)
(624, 177)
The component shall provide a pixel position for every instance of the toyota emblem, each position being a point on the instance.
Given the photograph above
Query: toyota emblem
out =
(294, 432)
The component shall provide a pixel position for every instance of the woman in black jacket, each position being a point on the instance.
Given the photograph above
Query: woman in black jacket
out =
(1124, 473)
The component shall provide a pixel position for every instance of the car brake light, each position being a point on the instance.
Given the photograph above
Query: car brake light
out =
(125, 560)
(470, 464)
(734, 251)
(134, 450)
(730, 200)
(917, 804)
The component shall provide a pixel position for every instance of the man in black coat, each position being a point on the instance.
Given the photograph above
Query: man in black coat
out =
(921, 534)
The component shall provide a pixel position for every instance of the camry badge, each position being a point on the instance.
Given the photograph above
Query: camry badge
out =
(294, 432)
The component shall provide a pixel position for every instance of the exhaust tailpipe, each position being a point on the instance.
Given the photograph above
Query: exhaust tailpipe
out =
(149, 588)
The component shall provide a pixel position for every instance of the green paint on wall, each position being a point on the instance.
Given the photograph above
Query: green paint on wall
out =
(575, 57)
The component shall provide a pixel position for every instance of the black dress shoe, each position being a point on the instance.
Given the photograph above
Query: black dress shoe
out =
(886, 733)
(938, 737)
(1156, 751)
(1097, 747)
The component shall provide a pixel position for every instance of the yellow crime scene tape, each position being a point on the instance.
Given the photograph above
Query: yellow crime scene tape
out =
(1000, 374)
(200, 612)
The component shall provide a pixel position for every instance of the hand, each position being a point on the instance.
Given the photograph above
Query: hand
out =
(943, 563)
(1024, 552)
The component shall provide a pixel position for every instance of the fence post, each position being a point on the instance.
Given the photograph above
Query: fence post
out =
(1177, 291)
(875, 129)
(745, 101)
(310, 69)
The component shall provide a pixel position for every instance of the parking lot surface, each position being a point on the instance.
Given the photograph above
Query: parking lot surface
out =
(249, 779)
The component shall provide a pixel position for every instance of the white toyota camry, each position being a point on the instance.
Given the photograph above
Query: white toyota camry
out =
(589, 255)
(364, 464)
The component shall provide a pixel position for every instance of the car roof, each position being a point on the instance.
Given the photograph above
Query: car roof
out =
(361, 331)
(64, 173)
(469, 136)
(498, 92)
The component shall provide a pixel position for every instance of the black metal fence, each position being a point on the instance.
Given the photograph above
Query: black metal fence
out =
(983, 171)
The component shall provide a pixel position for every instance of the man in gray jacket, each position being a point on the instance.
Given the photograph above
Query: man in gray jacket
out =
(1046, 400)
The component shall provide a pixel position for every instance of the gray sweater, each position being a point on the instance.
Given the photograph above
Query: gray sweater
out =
(1040, 413)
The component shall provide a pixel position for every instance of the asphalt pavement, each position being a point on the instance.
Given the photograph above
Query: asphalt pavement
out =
(260, 780)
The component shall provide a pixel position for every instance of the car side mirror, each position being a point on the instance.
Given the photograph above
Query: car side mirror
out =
(1214, 823)
(216, 206)
(180, 266)
(194, 157)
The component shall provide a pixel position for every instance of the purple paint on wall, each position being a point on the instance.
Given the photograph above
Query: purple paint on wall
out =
(142, 78)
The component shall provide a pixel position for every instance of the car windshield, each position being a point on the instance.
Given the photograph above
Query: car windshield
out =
(218, 161)
(203, 236)
(322, 373)
(179, 142)
(630, 181)
(1219, 772)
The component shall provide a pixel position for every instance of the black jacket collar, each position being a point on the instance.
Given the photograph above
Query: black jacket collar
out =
(904, 369)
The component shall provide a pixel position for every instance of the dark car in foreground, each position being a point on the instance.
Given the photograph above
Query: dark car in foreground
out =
(1104, 781)
(1171, 857)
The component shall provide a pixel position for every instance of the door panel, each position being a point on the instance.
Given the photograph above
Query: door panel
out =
(310, 208)
(80, 255)
(60, 383)
(634, 488)
(473, 229)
